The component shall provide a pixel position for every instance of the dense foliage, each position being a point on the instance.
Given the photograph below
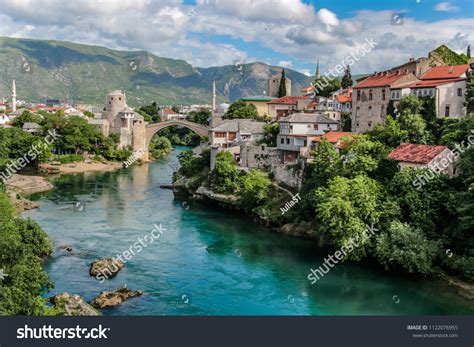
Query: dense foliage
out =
(241, 109)
(22, 246)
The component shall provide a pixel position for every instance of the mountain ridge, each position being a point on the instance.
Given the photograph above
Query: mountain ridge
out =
(85, 73)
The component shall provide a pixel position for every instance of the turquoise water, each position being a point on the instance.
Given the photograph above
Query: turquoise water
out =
(208, 261)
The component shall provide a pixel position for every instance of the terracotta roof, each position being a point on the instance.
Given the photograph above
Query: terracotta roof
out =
(169, 111)
(380, 80)
(433, 82)
(333, 137)
(288, 100)
(414, 153)
(441, 72)
(344, 98)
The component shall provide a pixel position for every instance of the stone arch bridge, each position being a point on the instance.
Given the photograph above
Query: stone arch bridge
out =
(143, 134)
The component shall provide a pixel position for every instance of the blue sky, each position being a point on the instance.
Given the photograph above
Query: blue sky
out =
(288, 33)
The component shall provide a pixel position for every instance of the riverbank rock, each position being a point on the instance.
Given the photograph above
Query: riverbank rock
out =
(66, 247)
(107, 267)
(304, 230)
(73, 305)
(111, 299)
(27, 185)
(203, 192)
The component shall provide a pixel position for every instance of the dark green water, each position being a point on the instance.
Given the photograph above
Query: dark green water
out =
(208, 261)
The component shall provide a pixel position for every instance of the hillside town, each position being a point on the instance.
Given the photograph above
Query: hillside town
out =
(303, 121)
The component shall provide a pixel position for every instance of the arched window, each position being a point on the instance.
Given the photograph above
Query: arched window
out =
(370, 94)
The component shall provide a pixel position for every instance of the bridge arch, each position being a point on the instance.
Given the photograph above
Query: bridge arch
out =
(152, 129)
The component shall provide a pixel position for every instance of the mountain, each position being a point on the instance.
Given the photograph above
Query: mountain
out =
(46, 69)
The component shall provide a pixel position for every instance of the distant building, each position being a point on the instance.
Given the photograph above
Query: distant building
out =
(31, 128)
(274, 85)
(4, 120)
(260, 102)
(169, 114)
(439, 159)
(336, 138)
(12, 115)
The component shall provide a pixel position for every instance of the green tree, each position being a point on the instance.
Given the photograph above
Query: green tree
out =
(407, 248)
(469, 103)
(346, 121)
(271, 132)
(241, 109)
(160, 146)
(325, 86)
(202, 116)
(254, 188)
(282, 88)
(89, 114)
(390, 133)
(345, 210)
(347, 78)
(225, 176)
(26, 117)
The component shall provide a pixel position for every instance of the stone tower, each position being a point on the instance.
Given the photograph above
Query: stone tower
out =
(115, 102)
(13, 96)
(274, 85)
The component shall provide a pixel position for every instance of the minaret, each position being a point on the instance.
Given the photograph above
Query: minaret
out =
(13, 96)
(213, 97)
(318, 75)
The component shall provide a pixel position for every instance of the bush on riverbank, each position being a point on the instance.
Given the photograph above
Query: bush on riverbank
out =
(68, 158)
(22, 246)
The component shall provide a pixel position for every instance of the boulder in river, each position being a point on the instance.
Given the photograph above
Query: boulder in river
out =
(111, 299)
(73, 305)
(107, 267)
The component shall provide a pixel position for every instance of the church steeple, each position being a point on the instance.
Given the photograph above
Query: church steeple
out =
(318, 75)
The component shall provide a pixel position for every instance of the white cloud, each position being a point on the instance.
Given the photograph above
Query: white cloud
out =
(297, 31)
(285, 63)
(446, 7)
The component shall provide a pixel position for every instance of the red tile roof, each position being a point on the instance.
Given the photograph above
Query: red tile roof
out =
(434, 82)
(169, 111)
(288, 100)
(333, 137)
(380, 80)
(414, 153)
(344, 98)
(441, 72)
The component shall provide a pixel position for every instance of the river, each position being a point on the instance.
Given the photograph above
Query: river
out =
(208, 261)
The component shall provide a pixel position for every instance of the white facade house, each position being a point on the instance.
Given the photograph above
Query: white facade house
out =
(296, 131)
(4, 119)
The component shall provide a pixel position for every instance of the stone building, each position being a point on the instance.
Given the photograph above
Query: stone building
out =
(372, 96)
(274, 85)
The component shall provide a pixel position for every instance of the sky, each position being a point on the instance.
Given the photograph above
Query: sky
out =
(288, 33)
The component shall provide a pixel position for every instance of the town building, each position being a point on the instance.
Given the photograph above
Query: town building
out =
(297, 130)
(438, 159)
(260, 102)
(447, 85)
(4, 119)
(372, 95)
(282, 107)
(337, 138)
(32, 128)
(236, 131)
(169, 114)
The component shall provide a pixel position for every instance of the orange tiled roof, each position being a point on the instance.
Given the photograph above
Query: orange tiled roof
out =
(169, 111)
(288, 100)
(380, 80)
(414, 153)
(441, 72)
(344, 98)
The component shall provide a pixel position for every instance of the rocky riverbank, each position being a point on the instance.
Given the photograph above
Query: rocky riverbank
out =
(183, 186)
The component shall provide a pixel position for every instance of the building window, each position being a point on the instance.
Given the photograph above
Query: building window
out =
(358, 95)
(383, 94)
(291, 127)
(220, 134)
(282, 140)
(370, 111)
(370, 94)
(112, 98)
(305, 143)
(120, 98)
(446, 111)
(369, 124)
(308, 126)
(357, 125)
(315, 126)
(382, 111)
(287, 141)
(459, 91)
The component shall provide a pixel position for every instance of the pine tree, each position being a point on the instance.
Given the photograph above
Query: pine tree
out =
(469, 103)
(347, 78)
(468, 52)
(282, 89)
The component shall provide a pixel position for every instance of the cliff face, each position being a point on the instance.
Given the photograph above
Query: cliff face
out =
(82, 73)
